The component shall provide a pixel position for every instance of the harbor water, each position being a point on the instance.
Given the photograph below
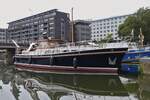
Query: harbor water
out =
(15, 85)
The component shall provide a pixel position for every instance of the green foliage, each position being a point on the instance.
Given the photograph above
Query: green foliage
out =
(141, 19)
(107, 39)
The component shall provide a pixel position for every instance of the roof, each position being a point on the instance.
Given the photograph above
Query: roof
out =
(53, 10)
(111, 17)
(82, 22)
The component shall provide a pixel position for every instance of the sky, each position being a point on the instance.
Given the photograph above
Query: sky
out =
(11, 10)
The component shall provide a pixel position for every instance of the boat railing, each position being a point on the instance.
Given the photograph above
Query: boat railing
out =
(88, 46)
(137, 48)
(76, 47)
(145, 47)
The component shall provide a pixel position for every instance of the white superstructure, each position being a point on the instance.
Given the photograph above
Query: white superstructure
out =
(69, 47)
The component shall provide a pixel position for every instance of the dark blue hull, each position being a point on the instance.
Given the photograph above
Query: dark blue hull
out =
(130, 68)
(102, 58)
(134, 56)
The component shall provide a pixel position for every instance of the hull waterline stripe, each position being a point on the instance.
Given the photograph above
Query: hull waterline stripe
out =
(66, 69)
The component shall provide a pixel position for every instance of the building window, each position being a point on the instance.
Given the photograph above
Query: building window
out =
(51, 23)
(51, 18)
(51, 28)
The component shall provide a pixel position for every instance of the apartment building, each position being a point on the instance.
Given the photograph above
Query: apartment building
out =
(29, 29)
(102, 27)
(3, 35)
(82, 30)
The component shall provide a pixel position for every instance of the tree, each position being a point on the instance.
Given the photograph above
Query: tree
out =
(141, 19)
(107, 39)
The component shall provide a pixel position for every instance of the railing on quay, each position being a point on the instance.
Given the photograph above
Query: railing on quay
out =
(12, 45)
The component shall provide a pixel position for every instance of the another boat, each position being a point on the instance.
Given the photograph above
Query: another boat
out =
(145, 60)
(134, 55)
(136, 51)
(130, 68)
(51, 56)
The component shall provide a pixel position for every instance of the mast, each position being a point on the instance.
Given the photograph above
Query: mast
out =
(72, 24)
(141, 38)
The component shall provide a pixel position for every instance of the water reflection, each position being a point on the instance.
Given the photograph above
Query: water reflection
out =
(144, 87)
(75, 86)
(30, 86)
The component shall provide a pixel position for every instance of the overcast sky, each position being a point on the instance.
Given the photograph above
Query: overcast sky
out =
(11, 10)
